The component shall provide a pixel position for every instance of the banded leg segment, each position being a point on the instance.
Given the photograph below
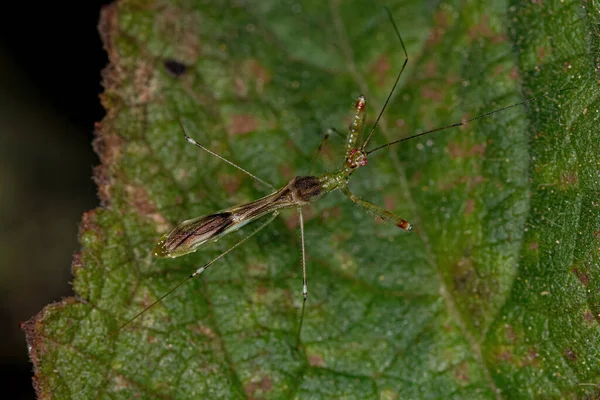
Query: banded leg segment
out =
(304, 287)
(382, 213)
(356, 126)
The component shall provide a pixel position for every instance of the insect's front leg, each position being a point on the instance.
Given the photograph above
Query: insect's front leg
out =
(379, 211)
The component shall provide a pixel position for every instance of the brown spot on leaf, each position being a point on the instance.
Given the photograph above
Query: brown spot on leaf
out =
(181, 28)
(257, 269)
(457, 151)
(510, 333)
(333, 212)
(588, 316)
(483, 30)
(230, 183)
(255, 390)
(389, 202)
(327, 151)
(293, 221)
(120, 383)
(477, 150)
(461, 371)
(138, 198)
(452, 79)
(473, 181)
(498, 70)
(532, 358)
(440, 19)
(570, 354)
(514, 74)
(202, 330)
(541, 53)
(469, 207)
(286, 171)
(470, 181)
(416, 178)
(316, 360)
(569, 178)
(380, 70)
(534, 245)
(239, 87)
(430, 70)
(504, 355)
(251, 78)
(430, 93)
(261, 290)
(582, 276)
(151, 339)
(242, 123)
(144, 85)
(261, 74)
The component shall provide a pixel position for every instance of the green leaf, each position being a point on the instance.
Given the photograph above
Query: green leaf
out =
(494, 295)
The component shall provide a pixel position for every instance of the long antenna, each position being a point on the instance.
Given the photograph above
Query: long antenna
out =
(395, 83)
(456, 125)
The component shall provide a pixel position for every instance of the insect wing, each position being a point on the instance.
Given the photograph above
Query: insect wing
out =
(190, 235)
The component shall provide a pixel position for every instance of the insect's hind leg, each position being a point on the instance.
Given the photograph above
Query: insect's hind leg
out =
(304, 286)
(379, 211)
(192, 141)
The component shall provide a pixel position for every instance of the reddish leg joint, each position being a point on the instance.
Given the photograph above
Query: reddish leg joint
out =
(360, 103)
(404, 225)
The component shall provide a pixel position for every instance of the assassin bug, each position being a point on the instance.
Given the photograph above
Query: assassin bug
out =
(193, 234)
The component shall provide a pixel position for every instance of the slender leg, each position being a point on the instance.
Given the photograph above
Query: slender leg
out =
(192, 141)
(197, 272)
(318, 150)
(304, 287)
(380, 212)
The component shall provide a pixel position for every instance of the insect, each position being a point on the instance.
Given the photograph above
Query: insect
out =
(191, 235)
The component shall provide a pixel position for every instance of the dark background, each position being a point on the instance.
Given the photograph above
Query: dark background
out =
(50, 62)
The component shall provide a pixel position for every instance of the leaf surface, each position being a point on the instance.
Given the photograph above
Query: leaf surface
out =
(494, 295)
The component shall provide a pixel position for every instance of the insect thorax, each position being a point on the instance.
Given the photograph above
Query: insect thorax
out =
(306, 189)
